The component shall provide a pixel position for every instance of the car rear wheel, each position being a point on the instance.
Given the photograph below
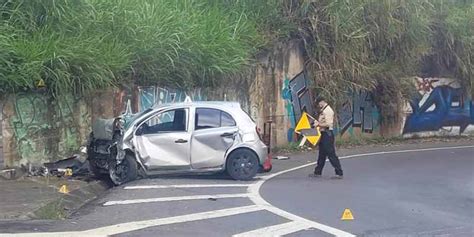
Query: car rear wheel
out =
(125, 171)
(242, 165)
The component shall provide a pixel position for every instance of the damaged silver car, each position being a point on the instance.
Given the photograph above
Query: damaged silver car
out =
(193, 137)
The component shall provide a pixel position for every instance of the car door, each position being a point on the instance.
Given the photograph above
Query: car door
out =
(163, 140)
(214, 133)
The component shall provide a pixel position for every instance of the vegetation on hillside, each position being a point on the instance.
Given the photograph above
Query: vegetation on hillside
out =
(375, 45)
(81, 45)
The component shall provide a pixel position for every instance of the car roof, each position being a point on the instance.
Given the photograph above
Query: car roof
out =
(226, 104)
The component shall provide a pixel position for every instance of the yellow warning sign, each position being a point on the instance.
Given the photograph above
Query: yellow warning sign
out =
(40, 83)
(304, 128)
(347, 215)
(64, 189)
(313, 139)
(303, 123)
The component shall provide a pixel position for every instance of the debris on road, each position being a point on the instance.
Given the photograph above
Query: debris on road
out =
(76, 163)
(8, 174)
(76, 166)
(32, 170)
(281, 158)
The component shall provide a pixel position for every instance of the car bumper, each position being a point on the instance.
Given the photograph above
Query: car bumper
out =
(264, 156)
(262, 151)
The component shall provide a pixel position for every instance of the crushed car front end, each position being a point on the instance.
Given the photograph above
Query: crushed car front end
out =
(102, 144)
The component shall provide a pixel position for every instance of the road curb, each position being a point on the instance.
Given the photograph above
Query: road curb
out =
(65, 205)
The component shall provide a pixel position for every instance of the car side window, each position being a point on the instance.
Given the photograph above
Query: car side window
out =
(168, 121)
(212, 118)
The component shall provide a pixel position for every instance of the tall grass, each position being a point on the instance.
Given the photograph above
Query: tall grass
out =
(453, 40)
(375, 44)
(353, 44)
(81, 45)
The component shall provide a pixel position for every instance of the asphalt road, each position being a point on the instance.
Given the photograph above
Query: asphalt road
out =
(416, 193)
(412, 193)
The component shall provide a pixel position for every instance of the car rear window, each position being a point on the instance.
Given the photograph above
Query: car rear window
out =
(227, 120)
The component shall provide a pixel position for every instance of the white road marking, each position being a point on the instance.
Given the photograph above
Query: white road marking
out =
(138, 225)
(267, 177)
(259, 201)
(254, 190)
(187, 186)
(276, 230)
(297, 223)
(170, 199)
(405, 151)
(132, 226)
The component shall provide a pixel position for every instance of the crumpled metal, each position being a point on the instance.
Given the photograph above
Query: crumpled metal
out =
(103, 129)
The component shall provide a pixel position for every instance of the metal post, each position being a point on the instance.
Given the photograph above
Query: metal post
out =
(267, 134)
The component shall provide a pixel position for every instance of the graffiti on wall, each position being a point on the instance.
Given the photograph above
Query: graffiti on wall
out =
(30, 121)
(298, 99)
(122, 102)
(45, 129)
(152, 95)
(359, 112)
(441, 105)
(70, 116)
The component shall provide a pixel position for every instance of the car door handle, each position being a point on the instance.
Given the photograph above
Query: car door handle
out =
(180, 141)
(228, 134)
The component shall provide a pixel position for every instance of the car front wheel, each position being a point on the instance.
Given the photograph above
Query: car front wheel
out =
(125, 171)
(242, 165)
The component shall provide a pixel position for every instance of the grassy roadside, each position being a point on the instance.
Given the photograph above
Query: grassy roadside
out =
(54, 210)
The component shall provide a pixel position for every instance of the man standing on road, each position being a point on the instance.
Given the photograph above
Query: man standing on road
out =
(327, 147)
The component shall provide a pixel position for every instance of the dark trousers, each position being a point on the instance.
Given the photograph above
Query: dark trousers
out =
(327, 150)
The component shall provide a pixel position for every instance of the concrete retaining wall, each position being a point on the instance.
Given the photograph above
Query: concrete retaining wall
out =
(37, 128)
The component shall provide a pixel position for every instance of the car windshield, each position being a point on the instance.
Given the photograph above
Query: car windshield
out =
(129, 119)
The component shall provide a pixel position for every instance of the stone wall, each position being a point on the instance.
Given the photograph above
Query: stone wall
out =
(37, 128)
(280, 91)
(143, 97)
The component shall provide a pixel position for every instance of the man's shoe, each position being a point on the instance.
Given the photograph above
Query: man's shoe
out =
(314, 175)
(337, 177)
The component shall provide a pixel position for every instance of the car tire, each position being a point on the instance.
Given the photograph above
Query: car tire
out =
(93, 167)
(242, 164)
(96, 171)
(124, 172)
